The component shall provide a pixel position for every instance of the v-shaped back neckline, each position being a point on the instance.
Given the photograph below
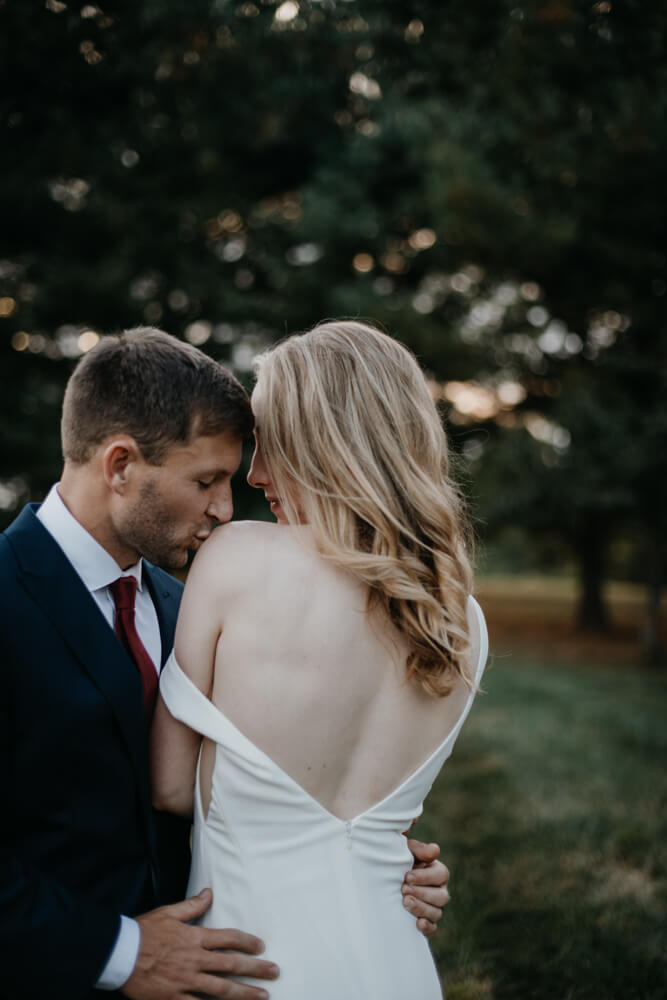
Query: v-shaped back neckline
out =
(216, 714)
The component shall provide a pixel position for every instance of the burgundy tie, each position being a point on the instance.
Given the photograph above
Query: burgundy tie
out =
(124, 592)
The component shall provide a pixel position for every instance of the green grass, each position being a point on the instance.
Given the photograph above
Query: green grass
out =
(552, 816)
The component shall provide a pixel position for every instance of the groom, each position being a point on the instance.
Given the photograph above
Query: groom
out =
(152, 432)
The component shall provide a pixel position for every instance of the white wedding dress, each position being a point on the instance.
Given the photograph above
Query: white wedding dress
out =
(323, 893)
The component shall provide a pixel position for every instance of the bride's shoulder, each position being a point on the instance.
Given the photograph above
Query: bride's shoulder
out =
(241, 529)
(226, 564)
(249, 535)
(234, 537)
(240, 549)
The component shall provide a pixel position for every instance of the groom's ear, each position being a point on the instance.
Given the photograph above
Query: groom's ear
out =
(120, 458)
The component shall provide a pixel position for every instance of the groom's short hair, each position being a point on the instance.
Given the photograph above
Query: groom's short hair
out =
(154, 387)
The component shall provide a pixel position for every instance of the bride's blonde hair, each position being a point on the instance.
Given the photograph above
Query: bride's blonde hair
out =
(357, 450)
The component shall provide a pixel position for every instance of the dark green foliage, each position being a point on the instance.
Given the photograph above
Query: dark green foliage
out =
(208, 163)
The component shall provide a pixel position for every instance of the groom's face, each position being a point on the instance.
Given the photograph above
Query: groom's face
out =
(173, 507)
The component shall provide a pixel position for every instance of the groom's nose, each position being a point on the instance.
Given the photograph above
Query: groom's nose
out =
(221, 505)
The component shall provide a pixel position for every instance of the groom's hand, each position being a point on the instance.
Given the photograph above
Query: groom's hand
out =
(425, 892)
(176, 960)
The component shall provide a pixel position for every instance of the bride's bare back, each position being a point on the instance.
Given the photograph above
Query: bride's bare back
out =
(303, 671)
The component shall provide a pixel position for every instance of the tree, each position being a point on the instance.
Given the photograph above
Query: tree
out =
(481, 179)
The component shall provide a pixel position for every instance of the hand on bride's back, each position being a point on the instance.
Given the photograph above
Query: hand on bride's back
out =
(176, 959)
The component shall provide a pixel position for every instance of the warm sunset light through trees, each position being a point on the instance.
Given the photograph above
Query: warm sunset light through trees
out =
(485, 180)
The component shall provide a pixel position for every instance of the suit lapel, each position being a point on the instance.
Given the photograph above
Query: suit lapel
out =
(62, 597)
(166, 594)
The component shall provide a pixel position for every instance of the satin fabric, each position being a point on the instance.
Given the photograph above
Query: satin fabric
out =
(322, 892)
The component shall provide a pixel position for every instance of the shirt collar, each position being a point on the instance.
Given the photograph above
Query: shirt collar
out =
(96, 567)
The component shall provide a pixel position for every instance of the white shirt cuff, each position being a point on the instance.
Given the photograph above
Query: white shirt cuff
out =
(123, 958)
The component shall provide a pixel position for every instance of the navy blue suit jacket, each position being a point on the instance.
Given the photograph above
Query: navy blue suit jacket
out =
(79, 841)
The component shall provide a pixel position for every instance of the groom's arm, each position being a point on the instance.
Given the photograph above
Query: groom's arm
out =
(52, 943)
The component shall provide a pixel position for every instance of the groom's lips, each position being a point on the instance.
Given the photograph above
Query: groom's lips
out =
(197, 540)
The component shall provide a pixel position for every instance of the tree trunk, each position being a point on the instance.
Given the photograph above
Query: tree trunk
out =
(591, 550)
(651, 633)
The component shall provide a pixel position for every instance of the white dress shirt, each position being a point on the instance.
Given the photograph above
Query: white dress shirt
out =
(97, 570)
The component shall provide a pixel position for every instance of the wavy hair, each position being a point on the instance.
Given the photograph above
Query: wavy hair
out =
(356, 449)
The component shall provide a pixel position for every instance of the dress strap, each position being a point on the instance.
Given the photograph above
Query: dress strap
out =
(191, 706)
(483, 634)
(186, 702)
(483, 639)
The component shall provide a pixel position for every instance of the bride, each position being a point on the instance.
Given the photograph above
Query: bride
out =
(328, 661)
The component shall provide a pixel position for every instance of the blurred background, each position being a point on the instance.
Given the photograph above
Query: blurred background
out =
(486, 181)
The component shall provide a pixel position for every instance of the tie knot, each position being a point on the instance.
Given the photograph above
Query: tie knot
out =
(124, 591)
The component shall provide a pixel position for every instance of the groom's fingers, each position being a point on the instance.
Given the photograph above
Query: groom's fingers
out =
(426, 927)
(425, 900)
(230, 939)
(422, 909)
(425, 891)
(423, 853)
(189, 909)
(234, 963)
(177, 960)
(428, 896)
(211, 986)
(434, 874)
(225, 964)
(195, 906)
(425, 903)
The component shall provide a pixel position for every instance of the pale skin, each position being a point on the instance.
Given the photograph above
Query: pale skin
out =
(319, 666)
(161, 512)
